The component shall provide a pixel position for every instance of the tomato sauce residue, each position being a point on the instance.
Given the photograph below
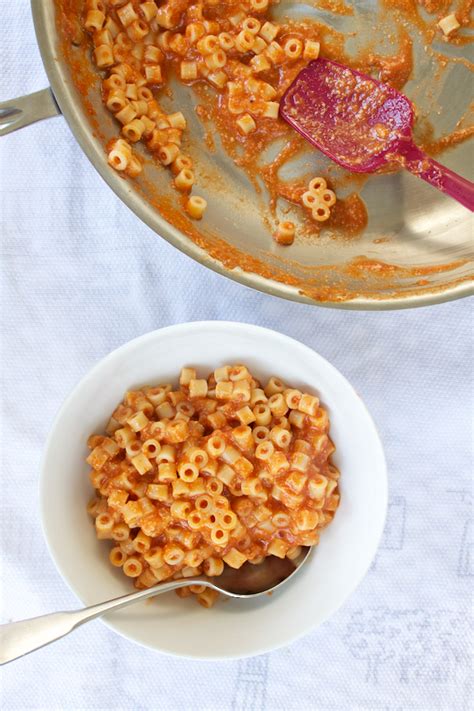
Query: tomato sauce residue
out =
(74, 46)
(406, 19)
(395, 69)
(349, 215)
(337, 7)
(434, 146)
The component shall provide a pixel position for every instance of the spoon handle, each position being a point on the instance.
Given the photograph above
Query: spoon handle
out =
(437, 175)
(23, 637)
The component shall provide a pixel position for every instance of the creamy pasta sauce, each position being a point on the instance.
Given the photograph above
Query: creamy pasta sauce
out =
(221, 471)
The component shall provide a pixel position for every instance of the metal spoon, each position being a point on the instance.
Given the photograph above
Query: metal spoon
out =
(250, 581)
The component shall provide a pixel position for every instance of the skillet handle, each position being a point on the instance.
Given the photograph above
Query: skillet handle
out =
(25, 110)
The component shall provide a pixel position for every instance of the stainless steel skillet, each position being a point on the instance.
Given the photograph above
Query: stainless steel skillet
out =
(417, 249)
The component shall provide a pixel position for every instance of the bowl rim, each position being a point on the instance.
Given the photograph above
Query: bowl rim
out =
(224, 326)
(54, 64)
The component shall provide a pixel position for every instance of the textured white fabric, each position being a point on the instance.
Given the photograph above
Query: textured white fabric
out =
(80, 276)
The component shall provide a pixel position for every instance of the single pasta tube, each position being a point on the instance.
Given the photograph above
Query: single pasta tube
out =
(449, 24)
(310, 199)
(285, 233)
(328, 197)
(321, 212)
(195, 207)
(246, 124)
(293, 48)
(317, 185)
(184, 180)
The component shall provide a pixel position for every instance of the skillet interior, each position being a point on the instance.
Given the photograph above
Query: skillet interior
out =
(417, 248)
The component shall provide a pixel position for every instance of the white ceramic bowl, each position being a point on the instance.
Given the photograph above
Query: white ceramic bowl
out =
(234, 628)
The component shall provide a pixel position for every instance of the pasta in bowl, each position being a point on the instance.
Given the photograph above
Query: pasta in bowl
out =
(218, 472)
(305, 501)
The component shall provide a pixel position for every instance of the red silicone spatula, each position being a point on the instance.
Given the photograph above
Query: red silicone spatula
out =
(363, 124)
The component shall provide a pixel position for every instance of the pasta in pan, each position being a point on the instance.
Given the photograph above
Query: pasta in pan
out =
(234, 49)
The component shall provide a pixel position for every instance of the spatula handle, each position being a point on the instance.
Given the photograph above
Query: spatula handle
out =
(438, 175)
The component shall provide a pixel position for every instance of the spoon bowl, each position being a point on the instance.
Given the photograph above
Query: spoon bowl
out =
(254, 580)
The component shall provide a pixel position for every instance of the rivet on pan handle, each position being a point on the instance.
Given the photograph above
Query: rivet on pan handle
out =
(25, 110)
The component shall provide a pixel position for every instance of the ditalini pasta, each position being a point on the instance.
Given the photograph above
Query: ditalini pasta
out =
(319, 199)
(218, 472)
(231, 47)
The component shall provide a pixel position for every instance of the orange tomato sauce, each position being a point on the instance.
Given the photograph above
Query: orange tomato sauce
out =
(174, 464)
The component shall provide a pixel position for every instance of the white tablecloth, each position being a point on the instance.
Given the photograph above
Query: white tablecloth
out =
(80, 276)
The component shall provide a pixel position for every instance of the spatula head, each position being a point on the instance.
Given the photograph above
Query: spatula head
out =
(354, 119)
